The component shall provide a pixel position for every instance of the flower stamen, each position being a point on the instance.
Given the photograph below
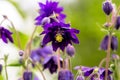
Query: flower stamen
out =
(58, 37)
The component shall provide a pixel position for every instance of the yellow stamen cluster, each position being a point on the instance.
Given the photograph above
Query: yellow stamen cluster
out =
(58, 38)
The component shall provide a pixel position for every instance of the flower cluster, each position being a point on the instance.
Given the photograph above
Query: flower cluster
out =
(56, 30)
(92, 73)
(61, 36)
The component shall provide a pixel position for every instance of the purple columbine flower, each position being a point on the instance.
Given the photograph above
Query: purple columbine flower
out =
(107, 7)
(5, 34)
(27, 75)
(60, 35)
(70, 50)
(101, 72)
(117, 23)
(49, 12)
(51, 62)
(114, 43)
(38, 54)
(65, 75)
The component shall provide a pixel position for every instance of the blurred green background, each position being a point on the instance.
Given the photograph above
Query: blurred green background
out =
(88, 17)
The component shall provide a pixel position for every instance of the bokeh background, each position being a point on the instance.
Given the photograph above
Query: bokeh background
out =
(85, 15)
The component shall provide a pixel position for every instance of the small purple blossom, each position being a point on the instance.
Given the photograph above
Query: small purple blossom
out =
(114, 43)
(51, 62)
(101, 72)
(5, 34)
(49, 12)
(65, 75)
(115, 57)
(107, 7)
(38, 54)
(117, 23)
(60, 35)
(27, 75)
(21, 52)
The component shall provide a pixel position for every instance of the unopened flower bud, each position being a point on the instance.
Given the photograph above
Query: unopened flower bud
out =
(27, 75)
(107, 7)
(115, 57)
(70, 50)
(21, 52)
(114, 43)
(117, 23)
(65, 75)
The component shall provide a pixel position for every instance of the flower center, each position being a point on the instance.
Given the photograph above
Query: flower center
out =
(58, 37)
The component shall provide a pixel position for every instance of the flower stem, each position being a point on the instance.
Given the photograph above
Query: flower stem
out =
(6, 69)
(58, 59)
(70, 67)
(38, 69)
(108, 57)
(28, 45)
(101, 62)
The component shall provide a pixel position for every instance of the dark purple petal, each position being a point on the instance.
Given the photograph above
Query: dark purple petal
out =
(65, 75)
(107, 7)
(4, 38)
(27, 75)
(114, 43)
(51, 63)
(46, 39)
(87, 71)
(117, 23)
(104, 43)
(74, 38)
(5, 34)
(75, 31)
(55, 46)
(102, 73)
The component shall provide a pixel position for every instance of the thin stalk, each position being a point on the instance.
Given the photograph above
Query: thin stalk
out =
(70, 67)
(58, 59)
(108, 57)
(6, 70)
(102, 61)
(2, 21)
(28, 46)
(37, 66)
(17, 34)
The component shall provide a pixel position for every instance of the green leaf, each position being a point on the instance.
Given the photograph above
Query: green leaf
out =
(23, 38)
(14, 64)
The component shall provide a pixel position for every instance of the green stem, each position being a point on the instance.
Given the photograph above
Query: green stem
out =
(108, 57)
(6, 70)
(38, 69)
(101, 62)
(17, 34)
(58, 59)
